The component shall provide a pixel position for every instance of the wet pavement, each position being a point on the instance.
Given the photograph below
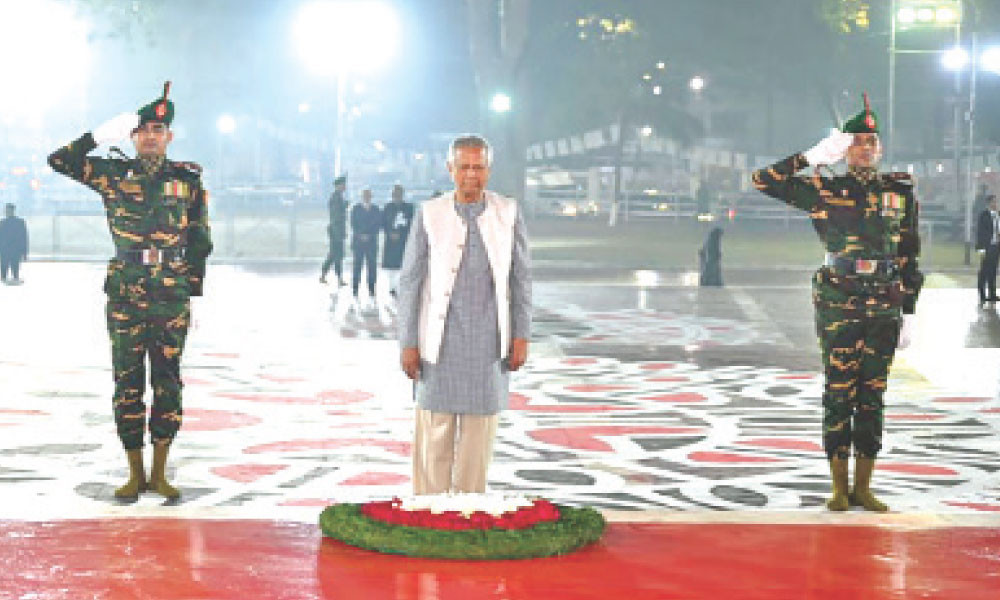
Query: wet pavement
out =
(642, 393)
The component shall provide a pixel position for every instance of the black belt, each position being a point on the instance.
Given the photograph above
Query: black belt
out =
(860, 266)
(149, 256)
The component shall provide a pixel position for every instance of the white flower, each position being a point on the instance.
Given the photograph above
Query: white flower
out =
(495, 504)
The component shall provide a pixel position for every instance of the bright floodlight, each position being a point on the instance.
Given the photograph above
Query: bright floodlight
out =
(697, 83)
(346, 35)
(647, 278)
(226, 124)
(945, 15)
(500, 103)
(990, 60)
(646, 131)
(906, 16)
(46, 54)
(955, 59)
(657, 90)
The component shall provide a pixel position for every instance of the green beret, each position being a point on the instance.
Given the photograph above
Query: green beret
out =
(342, 180)
(160, 110)
(865, 121)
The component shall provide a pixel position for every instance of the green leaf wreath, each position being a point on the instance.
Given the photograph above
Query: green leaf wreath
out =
(575, 528)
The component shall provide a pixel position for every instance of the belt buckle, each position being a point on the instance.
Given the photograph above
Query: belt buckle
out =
(865, 267)
(152, 256)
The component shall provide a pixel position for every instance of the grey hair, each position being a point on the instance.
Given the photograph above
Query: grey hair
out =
(470, 140)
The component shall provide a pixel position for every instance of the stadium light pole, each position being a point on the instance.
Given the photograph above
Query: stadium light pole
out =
(907, 15)
(959, 59)
(924, 15)
(340, 37)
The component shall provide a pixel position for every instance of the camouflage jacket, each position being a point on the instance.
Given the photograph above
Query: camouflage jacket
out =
(856, 217)
(166, 210)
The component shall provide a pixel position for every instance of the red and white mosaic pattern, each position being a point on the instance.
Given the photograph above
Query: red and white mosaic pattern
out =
(663, 435)
(284, 410)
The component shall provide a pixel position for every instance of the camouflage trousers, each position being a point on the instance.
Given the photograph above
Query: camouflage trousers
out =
(858, 349)
(137, 330)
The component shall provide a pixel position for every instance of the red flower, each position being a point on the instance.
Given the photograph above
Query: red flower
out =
(391, 512)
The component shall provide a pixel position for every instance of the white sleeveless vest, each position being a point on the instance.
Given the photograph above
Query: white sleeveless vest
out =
(446, 234)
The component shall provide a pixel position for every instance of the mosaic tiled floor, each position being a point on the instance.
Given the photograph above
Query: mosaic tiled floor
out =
(293, 399)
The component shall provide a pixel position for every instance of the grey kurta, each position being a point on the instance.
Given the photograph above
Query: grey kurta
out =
(470, 376)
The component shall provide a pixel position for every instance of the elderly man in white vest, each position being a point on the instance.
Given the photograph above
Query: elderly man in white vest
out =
(464, 320)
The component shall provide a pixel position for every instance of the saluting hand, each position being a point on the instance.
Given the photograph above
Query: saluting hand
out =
(409, 359)
(116, 129)
(518, 353)
(829, 150)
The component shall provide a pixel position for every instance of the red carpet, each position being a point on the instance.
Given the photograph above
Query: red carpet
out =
(203, 559)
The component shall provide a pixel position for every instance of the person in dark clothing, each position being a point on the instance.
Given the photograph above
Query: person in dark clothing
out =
(336, 231)
(366, 222)
(13, 246)
(988, 246)
(397, 216)
(710, 259)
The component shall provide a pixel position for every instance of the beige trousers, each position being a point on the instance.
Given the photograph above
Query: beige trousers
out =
(451, 452)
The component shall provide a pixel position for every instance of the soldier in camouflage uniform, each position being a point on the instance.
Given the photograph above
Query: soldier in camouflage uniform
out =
(868, 223)
(158, 218)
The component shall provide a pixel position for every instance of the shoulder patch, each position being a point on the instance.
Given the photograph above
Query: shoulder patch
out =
(189, 166)
(900, 179)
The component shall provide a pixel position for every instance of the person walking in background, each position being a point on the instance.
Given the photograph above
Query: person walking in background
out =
(988, 247)
(710, 260)
(366, 222)
(13, 245)
(336, 231)
(397, 216)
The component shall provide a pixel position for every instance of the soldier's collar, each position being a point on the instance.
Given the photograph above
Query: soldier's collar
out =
(863, 173)
(150, 165)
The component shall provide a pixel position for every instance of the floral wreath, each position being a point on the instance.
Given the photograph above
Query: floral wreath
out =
(464, 526)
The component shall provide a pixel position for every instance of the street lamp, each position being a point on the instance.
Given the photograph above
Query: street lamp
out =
(990, 60)
(955, 59)
(959, 59)
(226, 124)
(500, 103)
(910, 15)
(337, 38)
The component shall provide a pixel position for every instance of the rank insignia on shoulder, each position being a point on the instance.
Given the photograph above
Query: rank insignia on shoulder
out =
(189, 166)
